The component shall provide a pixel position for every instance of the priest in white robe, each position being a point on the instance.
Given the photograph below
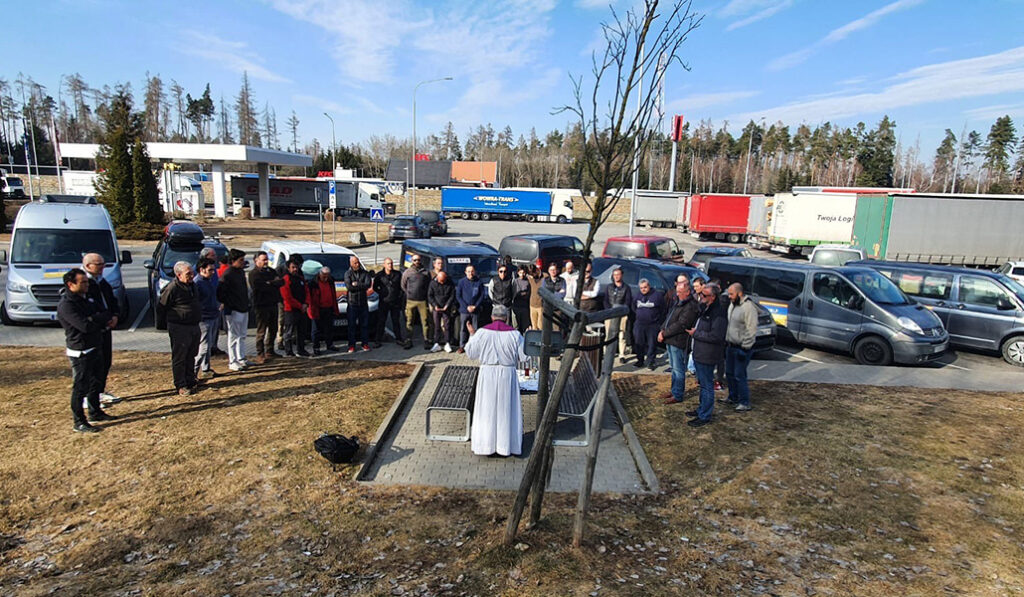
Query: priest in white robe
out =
(498, 410)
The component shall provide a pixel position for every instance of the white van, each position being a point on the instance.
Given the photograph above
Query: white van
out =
(50, 237)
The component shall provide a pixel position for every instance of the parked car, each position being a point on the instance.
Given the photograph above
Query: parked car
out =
(703, 255)
(408, 227)
(831, 254)
(435, 220)
(662, 276)
(456, 254)
(11, 186)
(853, 309)
(980, 309)
(1014, 269)
(182, 241)
(49, 238)
(315, 256)
(541, 250)
(661, 248)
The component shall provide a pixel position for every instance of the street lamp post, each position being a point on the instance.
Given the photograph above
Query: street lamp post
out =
(334, 145)
(414, 90)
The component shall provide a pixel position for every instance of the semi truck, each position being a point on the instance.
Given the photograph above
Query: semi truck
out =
(506, 204)
(290, 195)
(177, 191)
(658, 208)
(719, 216)
(968, 230)
(759, 220)
(801, 220)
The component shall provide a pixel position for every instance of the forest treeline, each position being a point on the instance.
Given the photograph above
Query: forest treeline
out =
(765, 157)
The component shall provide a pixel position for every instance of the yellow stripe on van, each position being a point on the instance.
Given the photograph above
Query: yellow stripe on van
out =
(779, 311)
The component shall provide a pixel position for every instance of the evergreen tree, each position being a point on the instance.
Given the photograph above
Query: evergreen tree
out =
(200, 112)
(876, 155)
(114, 186)
(1001, 138)
(245, 114)
(1018, 169)
(145, 197)
(153, 107)
(945, 156)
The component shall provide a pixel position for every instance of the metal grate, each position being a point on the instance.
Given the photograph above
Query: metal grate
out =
(47, 294)
(456, 388)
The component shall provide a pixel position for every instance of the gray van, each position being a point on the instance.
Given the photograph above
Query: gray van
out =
(982, 310)
(851, 309)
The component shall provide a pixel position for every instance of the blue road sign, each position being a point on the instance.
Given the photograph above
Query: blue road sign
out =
(376, 215)
(332, 192)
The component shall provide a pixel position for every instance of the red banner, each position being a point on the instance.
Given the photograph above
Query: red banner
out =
(422, 157)
(677, 128)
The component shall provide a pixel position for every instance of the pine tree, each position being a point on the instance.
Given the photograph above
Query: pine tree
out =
(145, 197)
(877, 154)
(245, 114)
(1018, 169)
(153, 107)
(945, 155)
(114, 186)
(1001, 138)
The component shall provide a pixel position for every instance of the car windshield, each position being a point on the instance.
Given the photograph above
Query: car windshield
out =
(486, 267)
(834, 257)
(665, 249)
(1014, 286)
(428, 216)
(878, 288)
(703, 257)
(624, 249)
(11, 180)
(175, 253)
(338, 262)
(32, 245)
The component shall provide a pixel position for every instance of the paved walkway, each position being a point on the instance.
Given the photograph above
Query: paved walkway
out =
(407, 457)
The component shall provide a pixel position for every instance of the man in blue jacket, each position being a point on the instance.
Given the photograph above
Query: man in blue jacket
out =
(649, 308)
(470, 294)
(209, 326)
(708, 349)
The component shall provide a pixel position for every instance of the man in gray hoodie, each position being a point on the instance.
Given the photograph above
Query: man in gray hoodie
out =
(739, 344)
(415, 283)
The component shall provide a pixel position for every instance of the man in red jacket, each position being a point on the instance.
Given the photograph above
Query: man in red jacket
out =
(295, 301)
(323, 308)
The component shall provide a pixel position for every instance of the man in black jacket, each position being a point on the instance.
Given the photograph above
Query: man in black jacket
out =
(83, 324)
(682, 315)
(266, 296)
(233, 293)
(441, 298)
(388, 286)
(708, 348)
(415, 284)
(502, 291)
(619, 293)
(359, 285)
(180, 312)
(102, 295)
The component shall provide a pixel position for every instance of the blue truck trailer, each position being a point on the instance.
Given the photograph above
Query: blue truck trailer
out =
(506, 204)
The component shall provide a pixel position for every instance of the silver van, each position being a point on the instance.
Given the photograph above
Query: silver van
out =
(831, 254)
(851, 309)
(982, 310)
(50, 237)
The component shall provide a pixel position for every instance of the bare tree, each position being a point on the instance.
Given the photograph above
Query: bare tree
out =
(616, 133)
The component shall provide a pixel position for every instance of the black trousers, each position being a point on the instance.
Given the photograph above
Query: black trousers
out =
(442, 326)
(85, 384)
(184, 348)
(522, 315)
(266, 328)
(296, 330)
(323, 327)
(645, 335)
(384, 312)
(107, 357)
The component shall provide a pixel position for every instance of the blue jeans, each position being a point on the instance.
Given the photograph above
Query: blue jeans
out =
(358, 321)
(677, 366)
(706, 379)
(736, 362)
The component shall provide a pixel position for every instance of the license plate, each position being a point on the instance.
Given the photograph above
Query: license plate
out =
(338, 323)
(938, 349)
(764, 331)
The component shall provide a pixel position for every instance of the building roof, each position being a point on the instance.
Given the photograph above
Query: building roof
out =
(199, 152)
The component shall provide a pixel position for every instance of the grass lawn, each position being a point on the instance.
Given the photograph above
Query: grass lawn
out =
(819, 490)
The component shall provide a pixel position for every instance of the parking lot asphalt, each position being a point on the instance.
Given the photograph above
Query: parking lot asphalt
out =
(138, 332)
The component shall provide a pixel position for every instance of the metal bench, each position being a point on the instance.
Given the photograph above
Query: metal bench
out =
(455, 392)
(578, 400)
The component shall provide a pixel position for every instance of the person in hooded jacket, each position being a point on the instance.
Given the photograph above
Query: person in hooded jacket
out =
(708, 349)
(295, 302)
(323, 308)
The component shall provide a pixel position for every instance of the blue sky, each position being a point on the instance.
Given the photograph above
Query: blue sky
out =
(930, 64)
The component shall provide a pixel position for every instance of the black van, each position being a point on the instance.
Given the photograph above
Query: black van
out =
(850, 309)
(456, 254)
(541, 250)
(980, 309)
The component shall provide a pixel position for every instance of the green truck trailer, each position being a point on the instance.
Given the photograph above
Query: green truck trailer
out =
(971, 230)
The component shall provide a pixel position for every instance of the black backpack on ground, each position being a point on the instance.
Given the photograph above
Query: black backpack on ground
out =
(337, 449)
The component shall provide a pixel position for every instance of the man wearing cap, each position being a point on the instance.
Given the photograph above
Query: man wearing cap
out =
(497, 411)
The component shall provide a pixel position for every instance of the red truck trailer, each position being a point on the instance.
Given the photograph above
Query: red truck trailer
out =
(719, 216)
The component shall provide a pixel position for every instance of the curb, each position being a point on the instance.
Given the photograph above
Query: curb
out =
(388, 423)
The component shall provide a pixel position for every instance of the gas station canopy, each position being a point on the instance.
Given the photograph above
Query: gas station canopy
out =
(212, 153)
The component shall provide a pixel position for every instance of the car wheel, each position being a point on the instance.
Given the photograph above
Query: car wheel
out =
(734, 238)
(485, 216)
(1013, 350)
(531, 218)
(873, 351)
(4, 317)
(465, 215)
(474, 216)
(561, 219)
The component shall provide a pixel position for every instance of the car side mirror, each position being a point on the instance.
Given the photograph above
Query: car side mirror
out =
(148, 264)
(1004, 304)
(126, 257)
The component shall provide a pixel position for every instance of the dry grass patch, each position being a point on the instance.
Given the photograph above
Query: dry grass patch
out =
(250, 233)
(819, 490)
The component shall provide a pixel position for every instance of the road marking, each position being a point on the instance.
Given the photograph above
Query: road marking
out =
(955, 366)
(138, 319)
(797, 356)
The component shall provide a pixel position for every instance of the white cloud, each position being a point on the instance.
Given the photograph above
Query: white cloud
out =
(982, 76)
(993, 112)
(232, 55)
(321, 103)
(751, 11)
(699, 101)
(840, 33)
